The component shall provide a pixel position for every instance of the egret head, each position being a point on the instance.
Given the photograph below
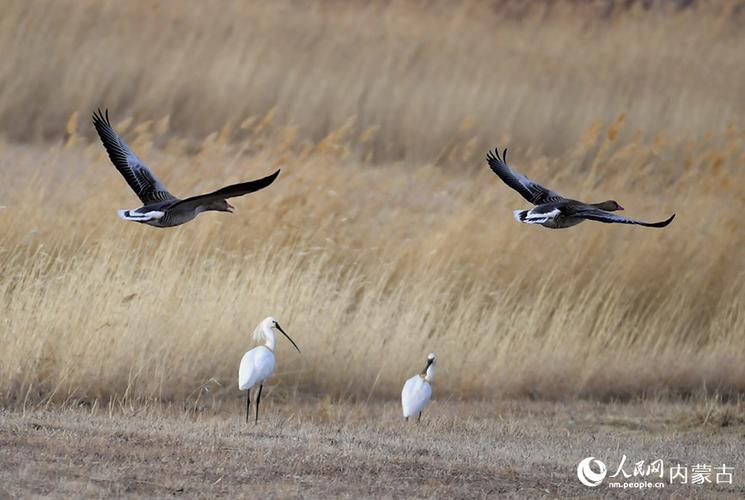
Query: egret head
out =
(429, 368)
(268, 325)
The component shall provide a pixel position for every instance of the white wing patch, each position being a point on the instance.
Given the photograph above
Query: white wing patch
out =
(545, 215)
(140, 217)
(530, 217)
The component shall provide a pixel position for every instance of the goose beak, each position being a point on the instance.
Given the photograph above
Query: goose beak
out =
(288, 337)
(620, 207)
(230, 207)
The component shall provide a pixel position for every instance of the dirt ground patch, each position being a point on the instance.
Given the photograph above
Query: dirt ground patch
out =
(505, 449)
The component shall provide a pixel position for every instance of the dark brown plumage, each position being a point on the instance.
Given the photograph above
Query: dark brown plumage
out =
(553, 210)
(160, 208)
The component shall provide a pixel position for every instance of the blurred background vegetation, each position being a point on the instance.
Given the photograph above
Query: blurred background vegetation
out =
(386, 236)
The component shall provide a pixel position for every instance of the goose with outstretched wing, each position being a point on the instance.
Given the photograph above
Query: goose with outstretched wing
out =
(553, 210)
(160, 208)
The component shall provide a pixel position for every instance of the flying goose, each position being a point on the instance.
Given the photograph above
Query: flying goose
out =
(553, 210)
(160, 208)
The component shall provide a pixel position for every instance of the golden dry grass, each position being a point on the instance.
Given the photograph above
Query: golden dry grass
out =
(505, 449)
(386, 236)
(423, 77)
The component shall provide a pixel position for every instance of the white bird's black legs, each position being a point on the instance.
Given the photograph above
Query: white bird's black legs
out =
(258, 400)
(419, 418)
(248, 403)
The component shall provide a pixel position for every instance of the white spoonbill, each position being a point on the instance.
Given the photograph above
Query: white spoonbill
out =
(258, 363)
(418, 391)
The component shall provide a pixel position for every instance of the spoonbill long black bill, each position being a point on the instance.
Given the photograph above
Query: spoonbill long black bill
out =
(159, 207)
(418, 390)
(258, 363)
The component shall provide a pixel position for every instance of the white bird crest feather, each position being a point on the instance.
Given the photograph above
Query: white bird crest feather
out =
(258, 333)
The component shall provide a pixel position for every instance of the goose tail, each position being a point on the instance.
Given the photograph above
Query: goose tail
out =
(520, 215)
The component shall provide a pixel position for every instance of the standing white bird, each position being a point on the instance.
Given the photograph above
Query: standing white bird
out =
(258, 363)
(418, 391)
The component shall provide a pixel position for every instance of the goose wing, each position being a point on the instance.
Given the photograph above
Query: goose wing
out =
(146, 186)
(226, 192)
(530, 190)
(609, 217)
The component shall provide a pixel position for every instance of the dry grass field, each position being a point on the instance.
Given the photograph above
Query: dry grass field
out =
(384, 238)
(510, 449)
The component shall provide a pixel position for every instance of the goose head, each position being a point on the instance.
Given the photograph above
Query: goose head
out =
(609, 206)
(220, 206)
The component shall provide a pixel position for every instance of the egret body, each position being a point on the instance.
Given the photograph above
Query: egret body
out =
(258, 363)
(418, 390)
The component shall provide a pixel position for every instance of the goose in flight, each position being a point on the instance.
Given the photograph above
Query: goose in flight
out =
(553, 210)
(160, 208)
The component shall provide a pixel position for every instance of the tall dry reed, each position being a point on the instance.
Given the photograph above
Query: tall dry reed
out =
(416, 78)
(386, 236)
(369, 269)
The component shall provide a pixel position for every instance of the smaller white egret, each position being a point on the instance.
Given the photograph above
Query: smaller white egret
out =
(258, 363)
(418, 391)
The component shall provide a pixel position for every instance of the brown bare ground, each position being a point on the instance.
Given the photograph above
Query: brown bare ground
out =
(324, 449)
